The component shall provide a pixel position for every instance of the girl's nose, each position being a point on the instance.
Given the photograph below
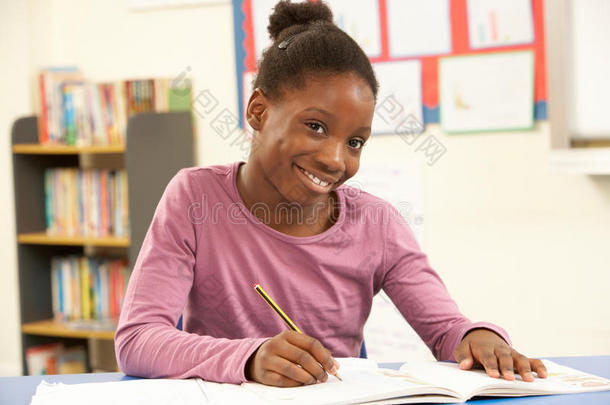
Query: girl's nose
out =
(331, 156)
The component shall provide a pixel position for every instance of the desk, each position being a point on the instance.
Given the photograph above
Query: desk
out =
(19, 390)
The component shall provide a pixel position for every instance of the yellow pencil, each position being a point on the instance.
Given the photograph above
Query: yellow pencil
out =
(281, 313)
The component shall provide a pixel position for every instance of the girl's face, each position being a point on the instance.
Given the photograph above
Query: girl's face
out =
(309, 141)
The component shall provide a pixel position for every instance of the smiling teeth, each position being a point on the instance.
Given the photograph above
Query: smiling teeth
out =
(315, 179)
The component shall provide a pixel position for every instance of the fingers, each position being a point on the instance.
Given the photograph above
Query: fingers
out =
(291, 371)
(304, 359)
(314, 351)
(539, 367)
(486, 348)
(487, 358)
(291, 359)
(523, 366)
(278, 380)
(505, 361)
(463, 356)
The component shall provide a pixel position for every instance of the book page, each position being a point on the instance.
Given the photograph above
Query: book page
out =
(560, 380)
(360, 384)
(145, 391)
(469, 383)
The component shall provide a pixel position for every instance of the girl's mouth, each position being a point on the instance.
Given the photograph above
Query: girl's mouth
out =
(313, 182)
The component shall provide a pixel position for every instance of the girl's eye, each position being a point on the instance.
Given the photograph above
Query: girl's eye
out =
(316, 127)
(356, 143)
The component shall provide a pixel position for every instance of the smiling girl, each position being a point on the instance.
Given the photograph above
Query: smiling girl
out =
(286, 219)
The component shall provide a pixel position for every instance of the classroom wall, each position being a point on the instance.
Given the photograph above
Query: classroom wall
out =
(514, 242)
(14, 101)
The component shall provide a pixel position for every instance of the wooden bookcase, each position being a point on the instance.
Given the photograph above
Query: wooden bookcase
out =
(158, 145)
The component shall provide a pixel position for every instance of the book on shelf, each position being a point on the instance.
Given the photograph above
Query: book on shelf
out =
(88, 292)
(78, 111)
(86, 202)
(363, 383)
(54, 358)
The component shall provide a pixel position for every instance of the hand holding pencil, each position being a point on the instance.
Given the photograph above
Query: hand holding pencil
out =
(290, 358)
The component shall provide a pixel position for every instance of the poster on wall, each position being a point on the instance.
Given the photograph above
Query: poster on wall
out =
(361, 23)
(493, 23)
(399, 107)
(422, 27)
(487, 92)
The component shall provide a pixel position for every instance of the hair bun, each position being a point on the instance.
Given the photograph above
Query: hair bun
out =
(286, 14)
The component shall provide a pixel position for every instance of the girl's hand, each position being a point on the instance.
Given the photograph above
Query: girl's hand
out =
(290, 359)
(483, 347)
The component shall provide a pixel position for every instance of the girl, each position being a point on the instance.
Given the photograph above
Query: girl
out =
(285, 219)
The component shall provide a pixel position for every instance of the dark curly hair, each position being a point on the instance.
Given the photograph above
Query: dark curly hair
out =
(306, 42)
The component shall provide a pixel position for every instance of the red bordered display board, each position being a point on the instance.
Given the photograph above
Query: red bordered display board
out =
(245, 51)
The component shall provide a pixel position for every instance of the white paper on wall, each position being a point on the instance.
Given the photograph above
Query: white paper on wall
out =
(400, 184)
(399, 99)
(494, 23)
(492, 91)
(248, 79)
(360, 20)
(388, 337)
(261, 10)
(417, 27)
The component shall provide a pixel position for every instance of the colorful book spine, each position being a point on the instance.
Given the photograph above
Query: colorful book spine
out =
(76, 288)
(85, 291)
(103, 203)
(88, 288)
(48, 201)
(55, 298)
(43, 136)
(69, 115)
(74, 111)
(86, 202)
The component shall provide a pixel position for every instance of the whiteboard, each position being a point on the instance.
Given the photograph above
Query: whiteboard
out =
(588, 79)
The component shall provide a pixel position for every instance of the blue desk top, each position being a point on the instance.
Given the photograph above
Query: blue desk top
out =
(19, 390)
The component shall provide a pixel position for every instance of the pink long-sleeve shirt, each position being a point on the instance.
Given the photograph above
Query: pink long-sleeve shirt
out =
(204, 250)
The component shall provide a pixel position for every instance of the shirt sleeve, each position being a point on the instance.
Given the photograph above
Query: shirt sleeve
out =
(147, 342)
(420, 295)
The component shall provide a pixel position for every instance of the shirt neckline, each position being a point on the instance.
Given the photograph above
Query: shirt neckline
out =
(277, 234)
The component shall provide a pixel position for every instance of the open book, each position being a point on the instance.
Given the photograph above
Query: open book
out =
(363, 383)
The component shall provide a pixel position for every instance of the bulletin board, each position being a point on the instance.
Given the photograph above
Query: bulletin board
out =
(456, 37)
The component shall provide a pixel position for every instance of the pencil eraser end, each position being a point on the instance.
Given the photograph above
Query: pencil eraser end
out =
(254, 285)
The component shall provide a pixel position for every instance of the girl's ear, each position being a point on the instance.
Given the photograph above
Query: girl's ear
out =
(257, 105)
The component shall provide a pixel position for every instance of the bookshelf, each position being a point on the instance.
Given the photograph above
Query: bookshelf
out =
(157, 146)
(41, 238)
(37, 149)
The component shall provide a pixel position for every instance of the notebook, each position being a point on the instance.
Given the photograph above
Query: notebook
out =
(363, 383)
